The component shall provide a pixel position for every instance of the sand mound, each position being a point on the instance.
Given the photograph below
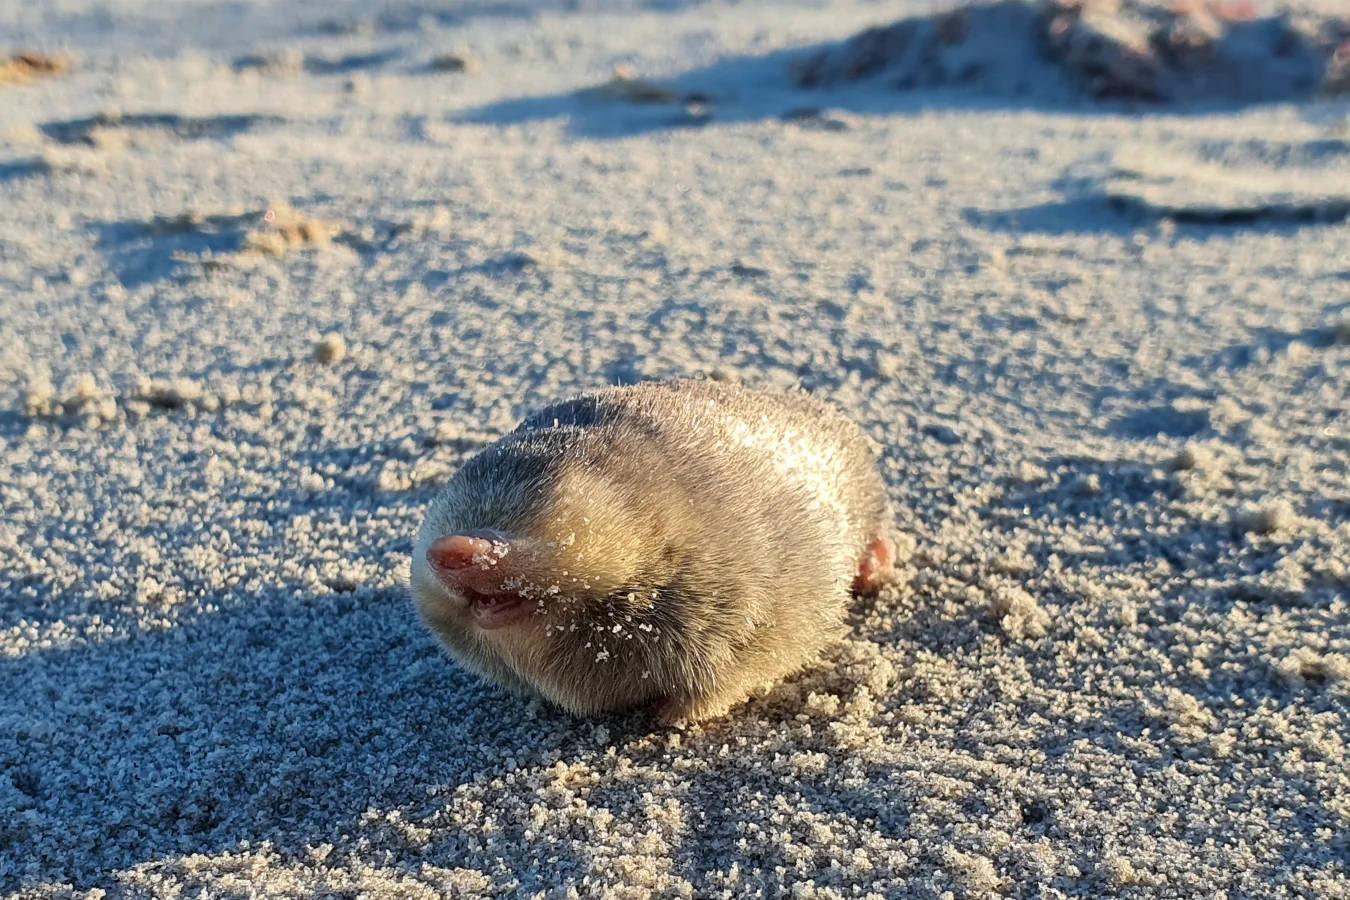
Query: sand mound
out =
(1218, 51)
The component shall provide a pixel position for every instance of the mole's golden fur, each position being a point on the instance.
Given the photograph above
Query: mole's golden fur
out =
(672, 543)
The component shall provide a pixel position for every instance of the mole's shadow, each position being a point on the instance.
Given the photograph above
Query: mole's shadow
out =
(279, 726)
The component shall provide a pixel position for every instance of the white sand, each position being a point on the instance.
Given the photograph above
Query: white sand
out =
(1121, 663)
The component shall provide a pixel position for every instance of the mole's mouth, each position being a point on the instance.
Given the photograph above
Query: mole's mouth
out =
(493, 611)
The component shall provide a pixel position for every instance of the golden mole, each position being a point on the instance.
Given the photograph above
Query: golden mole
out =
(677, 544)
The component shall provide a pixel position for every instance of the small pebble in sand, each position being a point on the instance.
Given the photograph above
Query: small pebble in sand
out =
(1305, 666)
(1269, 519)
(447, 430)
(906, 545)
(697, 111)
(1017, 612)
(331, 349)
(1191, 457)
(84, 387)
(546, 258)
(888, 367)
(454, 63)
(439, 220)
(1118, 871)
(725, 374)
(1030, 473)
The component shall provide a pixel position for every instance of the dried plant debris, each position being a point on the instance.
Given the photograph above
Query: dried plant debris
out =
(1150, 50)
(291, 62)
(94, 131)
(145, 251)
(284, 229)
(288, 61)
(270, 233)
(27, 65)
(85, 401)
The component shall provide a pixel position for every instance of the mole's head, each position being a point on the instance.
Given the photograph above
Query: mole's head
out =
(521, 547)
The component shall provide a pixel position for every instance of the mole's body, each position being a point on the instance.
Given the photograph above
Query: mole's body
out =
(672, 543)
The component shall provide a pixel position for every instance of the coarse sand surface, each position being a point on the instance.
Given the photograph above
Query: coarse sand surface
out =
(270, 271)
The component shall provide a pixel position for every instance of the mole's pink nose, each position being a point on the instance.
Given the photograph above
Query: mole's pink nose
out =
(488, 571)
(459, 551)
(472, 559)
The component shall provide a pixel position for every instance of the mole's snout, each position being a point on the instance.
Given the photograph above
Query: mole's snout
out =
(470, 559)
(482, 569)
(459, 551)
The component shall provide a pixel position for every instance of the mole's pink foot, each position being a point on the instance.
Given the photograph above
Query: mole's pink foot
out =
(878, 562)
